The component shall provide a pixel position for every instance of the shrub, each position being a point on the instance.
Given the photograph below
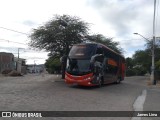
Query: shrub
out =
(6, 71)
(130, 72)
(14, 73)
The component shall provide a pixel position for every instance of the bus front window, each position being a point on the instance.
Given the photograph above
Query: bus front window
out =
(78, 67)
(78, 62)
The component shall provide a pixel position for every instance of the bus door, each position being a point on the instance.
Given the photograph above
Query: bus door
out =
(111, 70)
(108, 73)
(121, 69)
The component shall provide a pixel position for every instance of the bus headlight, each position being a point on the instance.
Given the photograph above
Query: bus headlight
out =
(66, 77)
(89, 78)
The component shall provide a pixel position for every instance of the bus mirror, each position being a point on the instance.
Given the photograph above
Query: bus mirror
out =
(63, 59)
(97, 57)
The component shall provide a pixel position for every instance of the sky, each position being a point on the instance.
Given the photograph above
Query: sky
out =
(117, 19)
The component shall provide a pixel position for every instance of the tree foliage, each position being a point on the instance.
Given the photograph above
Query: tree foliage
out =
(60, 33)
(129, 63)
(99, 38)
(142, 60)
(149, 46)
(129, 67)
(133, 67)
(53, 65)
(57, 35)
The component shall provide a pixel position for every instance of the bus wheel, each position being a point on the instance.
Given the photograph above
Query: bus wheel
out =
(100, 81)
(118, 80)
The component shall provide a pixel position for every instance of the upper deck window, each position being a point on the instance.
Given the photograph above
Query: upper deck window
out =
(83, 51)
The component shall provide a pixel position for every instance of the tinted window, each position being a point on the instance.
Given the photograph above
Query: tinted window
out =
(82, 51)
(99, 51)
(78, 67)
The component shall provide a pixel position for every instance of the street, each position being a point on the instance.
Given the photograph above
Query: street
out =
(49, 93)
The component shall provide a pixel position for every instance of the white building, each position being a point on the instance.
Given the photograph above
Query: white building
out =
(20, 65)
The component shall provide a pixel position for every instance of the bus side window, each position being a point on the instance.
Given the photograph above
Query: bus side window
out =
(108, 68)
(105, 65)
(99, 51)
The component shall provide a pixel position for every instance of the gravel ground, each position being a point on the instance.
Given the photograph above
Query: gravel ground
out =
(38, 92)
(31, 77)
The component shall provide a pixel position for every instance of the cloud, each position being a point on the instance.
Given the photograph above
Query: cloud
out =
(113, 18)
(13, 49)
(125, 16)
(4, 50)
(29, 23)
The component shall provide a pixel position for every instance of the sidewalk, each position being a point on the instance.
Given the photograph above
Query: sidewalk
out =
(151, 86)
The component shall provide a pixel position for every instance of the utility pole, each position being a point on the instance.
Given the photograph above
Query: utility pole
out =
(1, 64)
(34, 66)
(152, 77)
(153, 47)
(18, 54)
(18, 62)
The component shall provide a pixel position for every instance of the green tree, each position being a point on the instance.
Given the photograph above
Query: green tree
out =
(135, 66)
(129, 63)
(59, 34)
(53, 65)
(130, 71)
(156, 48)
(142, 60)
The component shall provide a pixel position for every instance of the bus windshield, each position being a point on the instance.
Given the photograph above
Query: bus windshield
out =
(82, 51)
(78, 62)
(78, 67)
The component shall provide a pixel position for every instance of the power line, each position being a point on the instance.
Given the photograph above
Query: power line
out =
(120, 40)
(12, 41)
(28, 49)
(14, 30)
(28, 34)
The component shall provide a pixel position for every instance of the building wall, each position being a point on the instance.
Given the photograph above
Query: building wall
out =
(20, 65)
(6, 61)
(24, 69)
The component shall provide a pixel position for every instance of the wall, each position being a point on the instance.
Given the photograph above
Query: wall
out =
(6, 61)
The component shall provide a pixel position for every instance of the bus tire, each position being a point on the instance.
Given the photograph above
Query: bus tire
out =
(118, 80)
(100, 83)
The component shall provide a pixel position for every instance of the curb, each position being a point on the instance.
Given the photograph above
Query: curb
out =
(149, 84)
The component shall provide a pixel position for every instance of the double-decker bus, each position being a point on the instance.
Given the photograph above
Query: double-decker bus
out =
(91, 64)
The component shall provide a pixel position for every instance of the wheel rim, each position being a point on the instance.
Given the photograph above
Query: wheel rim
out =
(118, 80)
(99, 80)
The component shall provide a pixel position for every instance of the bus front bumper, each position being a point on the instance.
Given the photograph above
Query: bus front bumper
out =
(84, 80)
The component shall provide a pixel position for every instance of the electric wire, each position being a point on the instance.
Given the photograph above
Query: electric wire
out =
(12, 41)
(14, 30)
